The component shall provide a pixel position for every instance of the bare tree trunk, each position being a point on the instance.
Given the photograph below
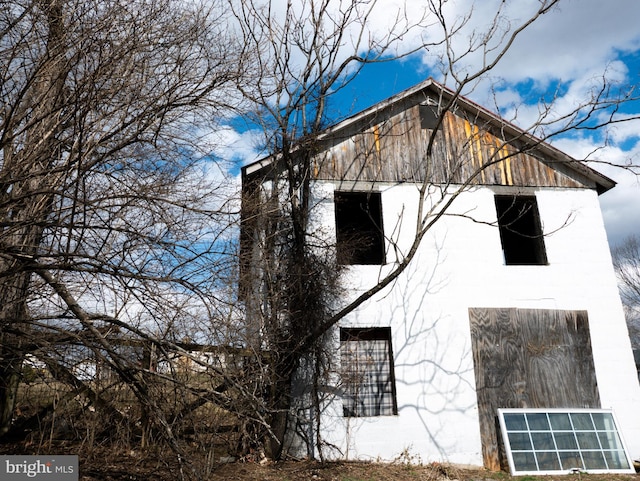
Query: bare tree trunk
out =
(28, 195)
(10, 373)
(13, 290)
(279, 403)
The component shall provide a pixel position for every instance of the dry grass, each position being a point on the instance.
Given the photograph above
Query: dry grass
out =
(353, 471)
(203, 440)
(154, 464)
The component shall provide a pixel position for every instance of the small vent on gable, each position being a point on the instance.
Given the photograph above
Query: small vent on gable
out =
(428, 115)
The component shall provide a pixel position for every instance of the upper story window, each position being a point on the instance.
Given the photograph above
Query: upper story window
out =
(359, 234)
(520, 230)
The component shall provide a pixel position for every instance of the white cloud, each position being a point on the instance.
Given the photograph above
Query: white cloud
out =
(629, 130)
(567, 98)
(621, 205)
(620, 208)
(232, 145)
(574, 38)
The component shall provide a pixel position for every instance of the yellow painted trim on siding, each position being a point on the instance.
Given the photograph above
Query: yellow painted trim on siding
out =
(376, 138)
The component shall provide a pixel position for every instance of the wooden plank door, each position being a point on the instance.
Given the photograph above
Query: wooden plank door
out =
(531, 358)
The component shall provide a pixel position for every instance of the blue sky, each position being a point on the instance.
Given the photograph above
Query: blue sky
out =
(563, 52)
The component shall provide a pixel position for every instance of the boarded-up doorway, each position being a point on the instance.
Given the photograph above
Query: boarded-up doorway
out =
(533, 358)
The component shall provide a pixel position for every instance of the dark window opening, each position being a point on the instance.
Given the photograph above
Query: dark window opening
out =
(367, 372)
(520, 230)
(359, 235)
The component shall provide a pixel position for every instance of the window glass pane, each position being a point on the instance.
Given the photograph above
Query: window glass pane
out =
(543, 441)
(565, 440)
(538, 422)
(610, 440)
(587, 440)
(548, 461)
(593, 460)
(520, 441)
(604, 421)
(570, 460)
(616, 460)
(582, 422)
(560, 421)
(515, 422)
(525, 461)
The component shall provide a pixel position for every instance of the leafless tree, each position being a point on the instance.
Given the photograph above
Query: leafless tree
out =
(303, 62)
(626, 260)
(311, 50)
(112, 224)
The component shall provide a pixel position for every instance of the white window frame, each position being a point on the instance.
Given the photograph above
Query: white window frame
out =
(509, 452)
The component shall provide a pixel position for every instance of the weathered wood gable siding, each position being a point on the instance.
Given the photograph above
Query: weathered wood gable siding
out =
(535, 358)
(394, 149)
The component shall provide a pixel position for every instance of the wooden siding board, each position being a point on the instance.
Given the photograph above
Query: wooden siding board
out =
(394, 150)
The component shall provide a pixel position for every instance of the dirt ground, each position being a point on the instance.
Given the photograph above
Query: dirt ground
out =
(305, 471)
(101, 464)
(315, 471)
(311, 471)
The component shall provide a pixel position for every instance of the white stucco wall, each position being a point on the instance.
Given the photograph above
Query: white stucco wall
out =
(460, 265)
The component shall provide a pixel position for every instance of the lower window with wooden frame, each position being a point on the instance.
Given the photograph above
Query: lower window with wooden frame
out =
(368, 381)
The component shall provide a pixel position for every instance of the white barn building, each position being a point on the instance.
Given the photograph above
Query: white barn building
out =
(510, 301)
